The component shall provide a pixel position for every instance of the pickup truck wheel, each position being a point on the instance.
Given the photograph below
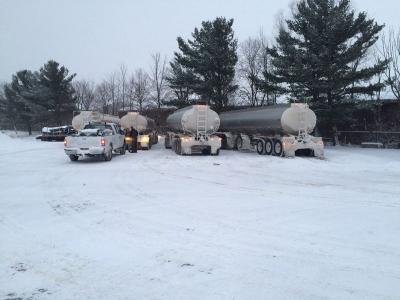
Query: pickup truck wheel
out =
(108, 155)
(73, 157)
(269, 147)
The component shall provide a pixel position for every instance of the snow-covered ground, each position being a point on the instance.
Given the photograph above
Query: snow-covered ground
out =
(154, 225)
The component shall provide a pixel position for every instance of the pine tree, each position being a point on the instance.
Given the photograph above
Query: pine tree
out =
(59, 91)
(208, 62)
(318, 53)
(9, 107)
(23, 102)
(179, 81)
(268, 82)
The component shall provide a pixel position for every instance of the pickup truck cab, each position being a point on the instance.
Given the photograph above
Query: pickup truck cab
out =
(96, 139)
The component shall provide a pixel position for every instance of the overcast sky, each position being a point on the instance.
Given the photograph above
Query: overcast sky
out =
(92, 38)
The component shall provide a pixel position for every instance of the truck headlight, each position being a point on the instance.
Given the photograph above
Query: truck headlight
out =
(144, 139)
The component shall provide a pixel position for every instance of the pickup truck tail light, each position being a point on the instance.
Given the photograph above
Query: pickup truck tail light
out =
(103, 142)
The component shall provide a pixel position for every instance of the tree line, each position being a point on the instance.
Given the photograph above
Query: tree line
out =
(325, 54)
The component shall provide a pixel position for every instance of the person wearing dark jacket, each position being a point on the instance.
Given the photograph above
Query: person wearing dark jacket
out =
(134, 134)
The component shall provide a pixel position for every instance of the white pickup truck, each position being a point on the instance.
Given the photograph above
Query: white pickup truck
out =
(95, 139)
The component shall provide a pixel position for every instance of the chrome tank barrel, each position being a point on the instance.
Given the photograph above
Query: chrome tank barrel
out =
(137, 121)
(185, 119)
(84, 117)
(276, 119)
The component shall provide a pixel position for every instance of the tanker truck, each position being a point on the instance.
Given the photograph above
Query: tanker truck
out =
(192, 131)
(279, 130)
(146, 128)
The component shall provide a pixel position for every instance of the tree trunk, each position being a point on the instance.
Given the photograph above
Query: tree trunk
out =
(29, 129)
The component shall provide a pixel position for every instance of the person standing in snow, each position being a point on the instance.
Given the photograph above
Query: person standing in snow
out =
(134, 134)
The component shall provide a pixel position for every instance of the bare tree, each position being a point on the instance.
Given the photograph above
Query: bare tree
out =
(390, 50)
(112, 88)
(123, 84)
(84, 92)
(377, 58)
(249, 70)
(254, 72)
(102, 98)
(269, 87)
(130, 92)
(141, 88)
(158, 73)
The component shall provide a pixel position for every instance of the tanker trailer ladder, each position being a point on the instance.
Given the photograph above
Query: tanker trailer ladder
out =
(201, 124)
(302, 125)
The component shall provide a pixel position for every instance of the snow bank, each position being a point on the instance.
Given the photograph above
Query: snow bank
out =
(11, 142)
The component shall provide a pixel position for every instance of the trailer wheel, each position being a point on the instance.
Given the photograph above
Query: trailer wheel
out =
(278, 148)
(167, 142)
(73, 157)
(216, 153)
(178, 147)
(260, 147)
(239, 143)
(269, 147)
(123, 150)
(175, 146)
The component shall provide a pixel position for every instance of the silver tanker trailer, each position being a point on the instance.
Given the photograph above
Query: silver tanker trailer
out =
(192, 131)
(82, 118)
(280, 130)
(146, 128)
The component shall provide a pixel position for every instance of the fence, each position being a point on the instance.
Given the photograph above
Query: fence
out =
(389, 139)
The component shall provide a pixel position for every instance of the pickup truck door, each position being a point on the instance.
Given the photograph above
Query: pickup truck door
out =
(118, 139)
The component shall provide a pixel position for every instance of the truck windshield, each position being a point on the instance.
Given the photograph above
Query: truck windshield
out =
(98, 126)
(90, 132)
